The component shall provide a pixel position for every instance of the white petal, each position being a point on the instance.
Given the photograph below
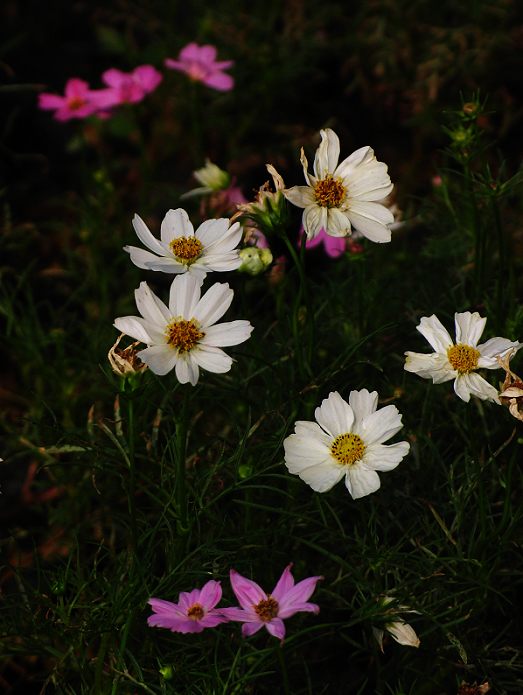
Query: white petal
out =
(403, 633)
(145, 236)
(474, 384)
(323, 476)
(140, 257)
(314, 220)
(469, 327)
(369, 182)
(433, 366)
(437, 335)
(225, 334)
(363, 404)
(462, 388)
(151, 307)
(301, 196)
(218, 263)
(380, 457)
(303, 451)
(335, 415)
(176, 224)
(133, 327)
(349, 164)
(377, 427)
(338, 223)
(187, 371)
(166, 265)
(213, 304)
(367, 224)
(213, 231)
(313, 430)
(361, 481)
(184, 295)
(497, 347)
(327, 154)
(159, 358)
(212, 359)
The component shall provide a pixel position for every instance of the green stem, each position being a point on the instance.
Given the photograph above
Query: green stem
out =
(131, 487)
(505, 274)
(283, 666)
(181, 454)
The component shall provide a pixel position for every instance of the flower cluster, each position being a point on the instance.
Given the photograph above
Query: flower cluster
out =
(196, 610)
(80, 101)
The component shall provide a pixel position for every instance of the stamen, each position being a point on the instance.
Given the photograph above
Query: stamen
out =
(75, 103)
(330, 192)
(463, 358)
(183, 334)
(347, 448)
(267, 609)
(186, 249)
(195, 612)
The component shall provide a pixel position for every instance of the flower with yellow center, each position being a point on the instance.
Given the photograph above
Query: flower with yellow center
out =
(460, 360)
(341, 197)
(182, 250)
(346, 441)
(184, 335)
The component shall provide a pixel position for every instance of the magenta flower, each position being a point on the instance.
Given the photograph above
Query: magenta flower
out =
(199, 62)
(130, 87)
(79, 101)
(259, 609)
(194, 611)
(332, 245)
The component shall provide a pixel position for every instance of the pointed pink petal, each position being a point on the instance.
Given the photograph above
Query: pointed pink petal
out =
(276, 628)
(285, 583)
(50, 101)
(207, 55)
(249, 629)
(220, 81)
(210, 594)
(190, 52)
(247, 592)
(296, 598)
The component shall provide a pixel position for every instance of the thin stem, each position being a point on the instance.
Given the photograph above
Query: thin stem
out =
(505, 274)
(181, 453)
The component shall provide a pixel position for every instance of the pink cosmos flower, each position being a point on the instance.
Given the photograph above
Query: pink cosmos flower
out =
(332, 245)
(199, 62)
(130, 87)
(194, 611)
(79, 101)
(259, 609)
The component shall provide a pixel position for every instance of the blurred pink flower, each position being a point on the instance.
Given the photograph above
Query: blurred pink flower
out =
(194, 611)
(259, 609)
(199, 62)
(130, 87)
(79, 101)
(332, 245)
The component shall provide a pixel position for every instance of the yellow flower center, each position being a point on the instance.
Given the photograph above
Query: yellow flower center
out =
(186, 249)
(195, 612)
(347, 448)
(267, 609)
(329, 192)
(463, 358)
(183, 334)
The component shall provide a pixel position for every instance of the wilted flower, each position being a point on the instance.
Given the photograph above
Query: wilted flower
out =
(125, 362)
(460, 360)
(181, 250)
(254, 260)
(183, 336)
(341, 196)
(200, 64)
(259, 609)
(401, 631)
(194, 611)
(268, 210)
(130, 87)
(79, 101)
(511, 393)
(346, 441)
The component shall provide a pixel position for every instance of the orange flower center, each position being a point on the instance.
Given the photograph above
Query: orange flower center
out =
(329, 192)
(75, 103)
(463, 358)
(195, 612)
(267, 609)
(183, 335)
(347, 448)
(186, 249)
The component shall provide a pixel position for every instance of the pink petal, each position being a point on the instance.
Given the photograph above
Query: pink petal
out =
(113, 77)
(249, 629)
(285, 583)
(294, 600)
(212, 619)
(207, 55)
(165, 607)
(174, 64)
(76, 88)
(276, 628)
(50, 101)
(220, 81)
(188, 599)
(148, 76)
(239, 615)
(210, 594)
(247, 592)
(190, 52)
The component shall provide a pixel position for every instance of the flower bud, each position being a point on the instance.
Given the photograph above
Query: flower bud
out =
(254, 260)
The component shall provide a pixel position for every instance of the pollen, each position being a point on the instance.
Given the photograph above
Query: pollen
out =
(186, 249)
(183, 334)
(329, 192)
(463, 358)
(347, 449)
(267, 609)
(75, 103)
(195, 612)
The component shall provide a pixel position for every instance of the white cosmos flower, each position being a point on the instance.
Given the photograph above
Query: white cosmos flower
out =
(401, 631)
(341, 196)
(180, 249)
(346, 441)
(183, 336)
(459, 360)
